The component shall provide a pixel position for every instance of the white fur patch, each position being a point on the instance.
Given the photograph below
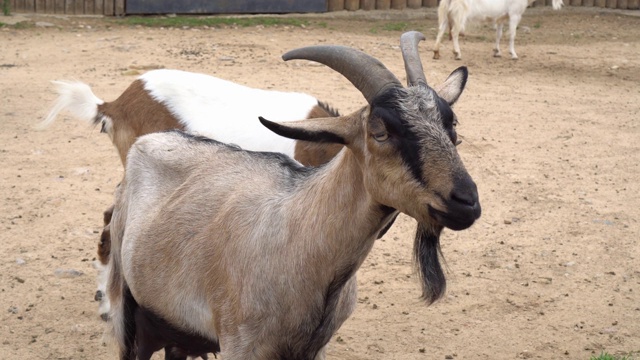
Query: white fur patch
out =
(77, 98)
(227, 111)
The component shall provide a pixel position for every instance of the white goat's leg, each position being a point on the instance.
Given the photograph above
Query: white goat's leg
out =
(456, 45)
(436, 46)
(496, 49)
(514, 20)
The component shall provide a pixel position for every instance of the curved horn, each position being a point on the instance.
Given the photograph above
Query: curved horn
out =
(412, 64)
(366, 73)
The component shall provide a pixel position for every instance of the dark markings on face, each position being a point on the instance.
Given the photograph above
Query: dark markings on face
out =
(448, 117)
(403, 135)
(385, 107)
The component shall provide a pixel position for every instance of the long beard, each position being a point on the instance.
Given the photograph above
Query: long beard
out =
(427, 258)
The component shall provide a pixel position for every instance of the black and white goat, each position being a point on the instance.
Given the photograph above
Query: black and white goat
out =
(216, 249)
(172, 99)
(454, 14)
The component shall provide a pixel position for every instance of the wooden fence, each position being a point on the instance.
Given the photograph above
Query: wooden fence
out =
(117, 7)
(69, 7)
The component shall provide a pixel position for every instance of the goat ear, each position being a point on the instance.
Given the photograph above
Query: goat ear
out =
(323, 130)
(451, 89)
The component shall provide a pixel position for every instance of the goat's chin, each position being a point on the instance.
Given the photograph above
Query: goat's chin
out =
(454, 220)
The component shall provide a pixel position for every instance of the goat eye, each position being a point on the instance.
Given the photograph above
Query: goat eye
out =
(381, 137)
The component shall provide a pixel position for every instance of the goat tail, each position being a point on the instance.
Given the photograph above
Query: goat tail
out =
(77, 98)
(121, 324)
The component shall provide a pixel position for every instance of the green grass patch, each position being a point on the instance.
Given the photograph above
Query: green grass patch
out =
(607, 356)
(216, 22)
(537, 25)
(20, 25)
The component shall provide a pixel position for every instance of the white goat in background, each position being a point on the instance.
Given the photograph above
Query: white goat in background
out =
(454, 14)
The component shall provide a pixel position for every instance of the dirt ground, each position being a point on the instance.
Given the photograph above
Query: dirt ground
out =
(550, 271)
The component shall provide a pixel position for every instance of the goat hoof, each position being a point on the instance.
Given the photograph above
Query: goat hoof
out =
(514, 57)
(99, 295)
(436, 55)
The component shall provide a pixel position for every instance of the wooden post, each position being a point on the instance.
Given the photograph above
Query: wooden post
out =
(633, 4)
(414, 4)
(367, 4)
(600, 3)
(119, 8)
(336, 5)
(41, 6)
(98, 9)
(576, 2)
(351, 5)
(430, 3)
(611, 4)
(18, 6)
(383, 4)
(587, 3)
(89, 7)
(69, 7)
(109, 7)
(30, 6)
(79, 8)
(622, 4)
(398, 4)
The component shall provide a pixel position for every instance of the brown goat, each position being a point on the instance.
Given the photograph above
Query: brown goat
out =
(255, 255)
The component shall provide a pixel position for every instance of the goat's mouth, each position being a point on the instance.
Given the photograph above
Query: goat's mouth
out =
(458, 216)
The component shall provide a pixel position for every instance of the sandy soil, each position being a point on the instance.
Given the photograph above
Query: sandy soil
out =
(551, 270)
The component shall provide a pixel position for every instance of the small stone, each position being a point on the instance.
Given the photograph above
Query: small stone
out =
(508, 222)
(44, 24)
(20, 261)
(448, 357)
(13, 309)
(68, 273)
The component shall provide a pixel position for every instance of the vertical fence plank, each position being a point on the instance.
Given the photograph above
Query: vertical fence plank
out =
(611, 4)
(622, 4)
(367, 4)
(383, 4)
(109, 7)
(633, 4)
(41, 6)
(98, 7)
(398, 4)
(336, 5)
(119, 9)
(414, 4)
(351, 5)
(69, 6)
(587, 3)
(576, 2)
(430, 3)
(600, 3)
(58, 6)
(88, 7)
(18, 6)
(78, 7)
(30, 6)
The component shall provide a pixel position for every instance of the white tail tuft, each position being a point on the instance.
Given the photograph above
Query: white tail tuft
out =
(557, 4)
(77, 98)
